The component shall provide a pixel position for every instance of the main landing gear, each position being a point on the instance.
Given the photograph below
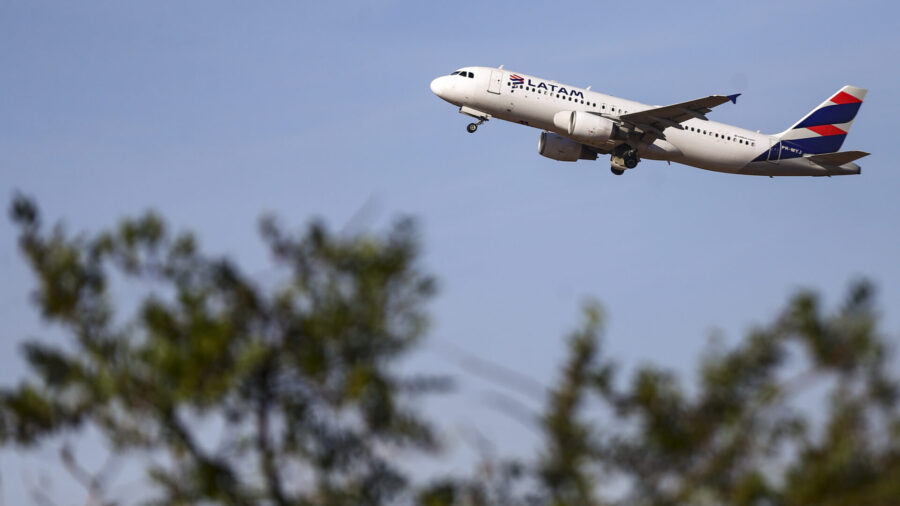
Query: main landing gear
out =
(624, 157)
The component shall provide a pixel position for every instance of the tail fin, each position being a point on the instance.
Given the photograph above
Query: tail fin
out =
(823, 130)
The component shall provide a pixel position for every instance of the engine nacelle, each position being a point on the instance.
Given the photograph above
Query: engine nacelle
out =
(586, 126)
(561, 148)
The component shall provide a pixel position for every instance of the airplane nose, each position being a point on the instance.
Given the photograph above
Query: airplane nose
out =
(437, 86)
(440, 87)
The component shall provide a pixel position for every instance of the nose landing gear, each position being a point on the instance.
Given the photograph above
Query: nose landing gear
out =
(474, 113)
(471, 127)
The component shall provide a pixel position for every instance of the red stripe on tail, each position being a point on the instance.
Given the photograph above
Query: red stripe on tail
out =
(826, 130)
(844, 98)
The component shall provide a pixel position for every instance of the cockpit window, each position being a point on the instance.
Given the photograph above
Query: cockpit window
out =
(471, 75)
(453, 74)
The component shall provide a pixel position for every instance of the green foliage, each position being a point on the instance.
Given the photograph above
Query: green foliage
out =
(564, 467)
(298, 375)
(750, 432)
(300, 378)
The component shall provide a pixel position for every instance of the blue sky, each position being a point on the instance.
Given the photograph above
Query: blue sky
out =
(216, 112)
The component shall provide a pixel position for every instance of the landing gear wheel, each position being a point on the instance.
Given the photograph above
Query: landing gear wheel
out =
(631, 162)
(616, 171)
(471, 127)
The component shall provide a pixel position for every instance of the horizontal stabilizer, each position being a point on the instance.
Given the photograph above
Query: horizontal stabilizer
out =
(839, 158)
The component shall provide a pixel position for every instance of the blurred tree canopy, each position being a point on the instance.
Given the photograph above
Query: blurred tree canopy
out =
(298, 383)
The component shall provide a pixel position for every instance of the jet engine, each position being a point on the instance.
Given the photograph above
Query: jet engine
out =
(586, 126)
(561, 148)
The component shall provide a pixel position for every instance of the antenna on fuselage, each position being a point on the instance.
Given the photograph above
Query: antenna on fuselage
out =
(500, 67)
(588, 88)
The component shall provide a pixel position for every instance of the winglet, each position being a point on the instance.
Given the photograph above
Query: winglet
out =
(734, 97)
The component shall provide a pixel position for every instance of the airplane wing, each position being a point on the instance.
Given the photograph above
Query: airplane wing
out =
(654, 121)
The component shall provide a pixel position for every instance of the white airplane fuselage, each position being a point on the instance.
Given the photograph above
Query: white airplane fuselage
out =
(485, 93)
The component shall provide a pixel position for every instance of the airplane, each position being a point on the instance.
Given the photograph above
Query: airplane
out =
(580, 124)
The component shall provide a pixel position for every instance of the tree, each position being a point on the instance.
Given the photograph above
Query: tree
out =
(750, 433)
(300, 377)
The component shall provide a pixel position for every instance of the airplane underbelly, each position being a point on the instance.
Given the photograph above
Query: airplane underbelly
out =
(720, 157)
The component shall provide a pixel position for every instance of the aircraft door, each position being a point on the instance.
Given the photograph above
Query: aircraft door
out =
(496, 80)
(774, 151)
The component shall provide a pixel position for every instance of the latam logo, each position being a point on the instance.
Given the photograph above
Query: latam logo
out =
(518, 80)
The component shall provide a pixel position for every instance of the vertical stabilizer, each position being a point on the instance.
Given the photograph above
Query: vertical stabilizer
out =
(824, 129)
